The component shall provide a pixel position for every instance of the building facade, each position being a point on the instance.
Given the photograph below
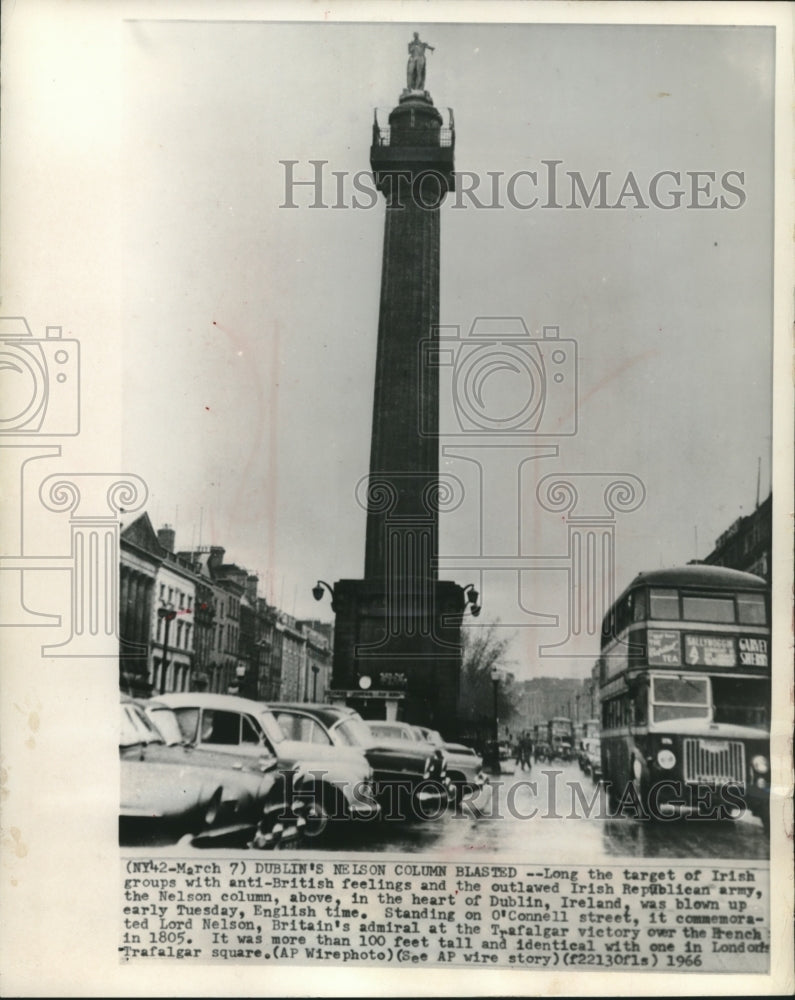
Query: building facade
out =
(317, 657)
(747, 544)
(290, 655)
(140, 558)
(172, 620)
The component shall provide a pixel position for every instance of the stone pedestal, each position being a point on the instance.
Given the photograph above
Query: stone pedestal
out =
(404, 661)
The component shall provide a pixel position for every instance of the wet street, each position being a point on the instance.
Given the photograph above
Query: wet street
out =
(554, 812)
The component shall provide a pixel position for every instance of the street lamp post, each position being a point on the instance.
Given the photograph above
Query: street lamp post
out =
(496, 676)
(167, 614)
(317, 592)
(471, 598)
(315, 669)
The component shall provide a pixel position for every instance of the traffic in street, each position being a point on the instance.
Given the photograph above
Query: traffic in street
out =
(396, 791)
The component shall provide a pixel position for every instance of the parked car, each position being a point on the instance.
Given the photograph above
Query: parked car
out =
(464, 765)
(280, 815)
(403, 732)
(410, 779)
(168, 792)
(335, 782)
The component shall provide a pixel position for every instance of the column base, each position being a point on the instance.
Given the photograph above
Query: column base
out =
(403, 664)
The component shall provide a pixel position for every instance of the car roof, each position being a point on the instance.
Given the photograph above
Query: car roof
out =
(328, 714)
(205, 699)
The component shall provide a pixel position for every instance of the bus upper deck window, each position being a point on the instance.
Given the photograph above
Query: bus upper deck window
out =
(751, 609)
(705, 608)
(639, 606)
(663, 603)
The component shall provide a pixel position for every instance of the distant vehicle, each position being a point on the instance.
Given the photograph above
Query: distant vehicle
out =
(588, 749)
(409, 778)
(590, 727)
(334, 782)
(168, 792)
(560, 738)
(593, 757)
(589, 756)
(464, 765)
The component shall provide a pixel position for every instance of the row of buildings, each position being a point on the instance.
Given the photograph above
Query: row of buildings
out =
(191, 621)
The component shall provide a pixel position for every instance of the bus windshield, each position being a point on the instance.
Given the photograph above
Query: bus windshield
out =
(680, 697)
(743, 702)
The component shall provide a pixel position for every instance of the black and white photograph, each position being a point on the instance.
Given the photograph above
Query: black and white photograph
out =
(398, 450)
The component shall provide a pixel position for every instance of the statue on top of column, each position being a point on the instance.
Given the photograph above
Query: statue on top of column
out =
(415, 72)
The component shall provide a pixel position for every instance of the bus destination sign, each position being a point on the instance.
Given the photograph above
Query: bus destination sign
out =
(710, 651)
(753, 651)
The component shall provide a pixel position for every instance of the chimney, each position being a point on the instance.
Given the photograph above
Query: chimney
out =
(252, 582)
(216, 557)
(167, 537)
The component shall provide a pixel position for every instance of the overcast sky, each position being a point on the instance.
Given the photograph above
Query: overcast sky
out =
(250, 328)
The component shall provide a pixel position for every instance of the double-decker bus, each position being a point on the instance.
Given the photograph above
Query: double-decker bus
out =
(685, 693)
(560, 737)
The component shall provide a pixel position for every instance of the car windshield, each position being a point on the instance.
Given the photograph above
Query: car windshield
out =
(387, 732)
(353, 733)
(166, 723)
(272, 728)
(136, 728)
(680, 697)
(431, 736)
